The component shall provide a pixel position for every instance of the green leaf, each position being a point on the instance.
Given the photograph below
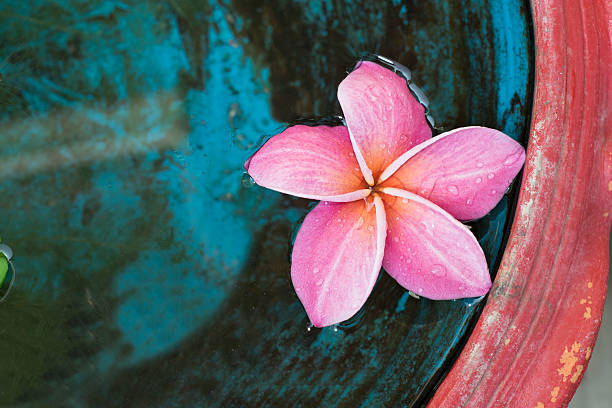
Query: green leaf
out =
(3, 268)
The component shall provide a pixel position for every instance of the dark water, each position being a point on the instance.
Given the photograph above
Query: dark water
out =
(149, 272)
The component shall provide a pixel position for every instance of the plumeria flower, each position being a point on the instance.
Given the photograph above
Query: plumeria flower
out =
(391, 196)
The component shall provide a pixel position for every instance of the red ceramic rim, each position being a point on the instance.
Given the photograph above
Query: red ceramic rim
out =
(534, 338)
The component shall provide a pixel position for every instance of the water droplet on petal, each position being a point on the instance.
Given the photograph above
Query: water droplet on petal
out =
(315, 270)
(479, 164)
(513, 158)
(490, 176)
(404, 200)
(453, 189)
(395, 239)
(478, 180)
(469, 201)
(438, 270)
(319, 282)
(493, 191)
(388, 107)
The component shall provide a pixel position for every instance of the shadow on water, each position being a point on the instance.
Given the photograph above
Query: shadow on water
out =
(150, 274)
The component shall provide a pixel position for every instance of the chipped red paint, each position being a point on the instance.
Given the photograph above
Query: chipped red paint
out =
(534, 338)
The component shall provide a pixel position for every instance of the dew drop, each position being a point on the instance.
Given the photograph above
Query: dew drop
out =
(469, 201)
(479, 164)
(315, 270)
(388, 108)
(310, 326)
(319, 282)
(478, 180)
(493, 191)
(247, 181)
(513, 158)
(395, 239)
(438, 270)
(404, 200)
(397, 218)
(453, 189)
(370, 228)
(490, 176)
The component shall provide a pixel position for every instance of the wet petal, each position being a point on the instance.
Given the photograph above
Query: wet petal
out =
(384, 119)
(429, 252)
(336, 258)
(310, 162)
(465, 171)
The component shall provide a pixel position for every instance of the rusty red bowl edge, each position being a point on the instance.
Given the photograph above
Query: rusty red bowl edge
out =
(534, 339)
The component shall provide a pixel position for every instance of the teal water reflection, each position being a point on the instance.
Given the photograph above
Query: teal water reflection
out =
(149, 272)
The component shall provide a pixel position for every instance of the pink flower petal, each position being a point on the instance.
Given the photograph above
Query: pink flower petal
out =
(310, 162)
(465, 171)
(383, 117)
(429, 252)
(336, 258)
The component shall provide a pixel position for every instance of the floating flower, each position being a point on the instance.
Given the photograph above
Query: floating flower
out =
(391, 196)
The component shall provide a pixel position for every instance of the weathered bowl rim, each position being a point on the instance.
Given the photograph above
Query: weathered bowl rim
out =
(534, 338)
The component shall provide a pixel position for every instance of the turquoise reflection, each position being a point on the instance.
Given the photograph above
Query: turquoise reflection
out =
(203, 175)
